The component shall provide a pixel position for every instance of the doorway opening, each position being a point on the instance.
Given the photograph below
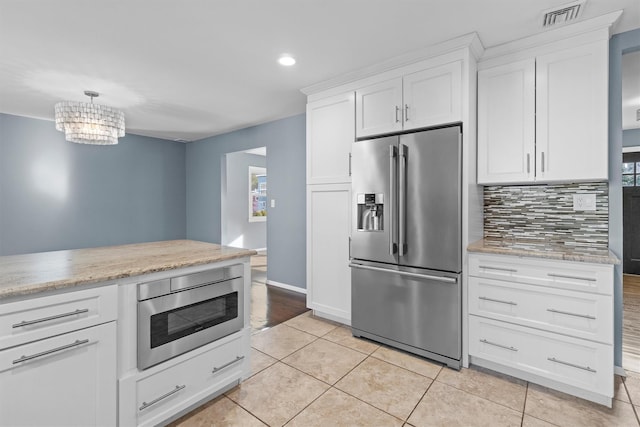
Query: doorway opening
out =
(631, 210)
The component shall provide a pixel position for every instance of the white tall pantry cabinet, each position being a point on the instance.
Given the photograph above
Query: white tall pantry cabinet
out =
(432, 87)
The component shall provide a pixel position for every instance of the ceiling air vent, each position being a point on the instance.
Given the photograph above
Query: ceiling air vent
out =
(563, 14)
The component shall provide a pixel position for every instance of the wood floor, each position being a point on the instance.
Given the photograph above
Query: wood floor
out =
(631, 323)
(271, 305)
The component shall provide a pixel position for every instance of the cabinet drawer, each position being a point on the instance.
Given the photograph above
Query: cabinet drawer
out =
(66, 380)
(578, 314)
(169, 390)
(577, 276)
(580, 363)
(37, 318)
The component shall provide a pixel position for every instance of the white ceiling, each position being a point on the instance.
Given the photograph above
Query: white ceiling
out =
(188, 69)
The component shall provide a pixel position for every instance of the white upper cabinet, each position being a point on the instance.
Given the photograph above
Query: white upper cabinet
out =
(506, 123)
(425, 98)
(544, 118)
(571, 114)
(330, 133)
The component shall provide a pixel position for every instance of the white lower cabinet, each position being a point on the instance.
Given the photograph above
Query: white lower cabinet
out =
(66, 380)
(155, 395)
(545, 321)
(328, 231)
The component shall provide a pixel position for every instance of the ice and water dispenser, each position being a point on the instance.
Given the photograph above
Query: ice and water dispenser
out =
(370, 211)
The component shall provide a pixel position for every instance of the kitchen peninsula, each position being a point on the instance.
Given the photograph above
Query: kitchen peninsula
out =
(72, 326)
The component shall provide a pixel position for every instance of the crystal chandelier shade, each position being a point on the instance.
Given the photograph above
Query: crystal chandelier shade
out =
(89, 123)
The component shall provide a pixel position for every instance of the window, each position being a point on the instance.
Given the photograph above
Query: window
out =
(257, 194)
(631, 174)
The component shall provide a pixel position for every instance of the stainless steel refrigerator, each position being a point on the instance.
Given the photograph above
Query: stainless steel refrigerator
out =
(406, 244)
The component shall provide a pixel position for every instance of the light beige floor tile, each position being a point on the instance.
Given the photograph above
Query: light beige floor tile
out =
(342, 335)
(404, 360)
(385, 386)
(619, 391)
(280, 341)
(311, 324)
(260, 361)
(325, 360)
(632, 383)
(335, 408)
(498, 388)
(220, 412)
(444, 405)
(529, 421)
(565, 410)
(277, 394)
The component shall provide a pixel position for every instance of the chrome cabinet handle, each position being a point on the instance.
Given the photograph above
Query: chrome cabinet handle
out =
(54, 350)
(145, 405)
(349, 164)
(397, 111)
(236, 360)
(497, 300)
(562, 362)
(511, 270)
(46, 319)
(542, 161)
(528, 163)
(405, 273)
(498, 345)
(563, 276)
(393, 247)
(586, 316)
(406, 112)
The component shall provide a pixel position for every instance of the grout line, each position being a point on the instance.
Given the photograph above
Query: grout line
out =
(524, 407)
(635, 411)
(421, 398)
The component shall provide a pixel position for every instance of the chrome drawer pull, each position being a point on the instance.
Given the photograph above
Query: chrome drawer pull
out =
(510, 270)
(54, 350)
(586, 316)
(145, 405)
(497, 300)
(584, 368)
(46, 319)
(563, 276)
(498, 345)
(236, 360)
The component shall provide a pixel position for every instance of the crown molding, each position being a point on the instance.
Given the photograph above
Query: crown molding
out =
(470, 41)
(571, 30)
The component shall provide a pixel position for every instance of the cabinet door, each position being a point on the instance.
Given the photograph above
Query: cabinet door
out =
(66, 380)
(328, 230)
(379, 108)
(433, 96)
(506, 123)
(571, 108)
(330, 133)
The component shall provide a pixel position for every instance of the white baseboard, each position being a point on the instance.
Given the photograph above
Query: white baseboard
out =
(619, 370)
(287, 287)
(261, 251)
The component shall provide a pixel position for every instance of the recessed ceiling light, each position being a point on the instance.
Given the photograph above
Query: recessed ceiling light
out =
(286, 60)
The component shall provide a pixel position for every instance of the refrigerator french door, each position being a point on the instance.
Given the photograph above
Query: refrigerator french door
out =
(406, 247)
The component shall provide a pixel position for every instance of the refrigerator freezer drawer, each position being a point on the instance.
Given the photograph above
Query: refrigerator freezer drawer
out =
(416, 309)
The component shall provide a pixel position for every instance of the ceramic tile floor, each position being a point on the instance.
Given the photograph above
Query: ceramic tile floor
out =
(311, 372)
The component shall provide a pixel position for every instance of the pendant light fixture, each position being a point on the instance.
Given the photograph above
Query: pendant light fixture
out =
(89, 123)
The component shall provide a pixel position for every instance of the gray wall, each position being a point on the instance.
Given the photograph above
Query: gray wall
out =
(631, 137)
(619, 44)
(55, 194)
(286, 160)
(235, 205)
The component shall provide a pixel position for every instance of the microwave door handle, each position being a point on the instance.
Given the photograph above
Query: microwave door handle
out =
(402, 226)
(392, 193)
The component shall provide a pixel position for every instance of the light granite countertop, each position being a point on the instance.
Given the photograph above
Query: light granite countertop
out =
(543, 249)
(37, 272)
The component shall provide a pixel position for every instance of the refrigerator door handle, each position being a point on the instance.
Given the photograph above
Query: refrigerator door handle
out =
(405, 273)
(393, 247)
(402, 202)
